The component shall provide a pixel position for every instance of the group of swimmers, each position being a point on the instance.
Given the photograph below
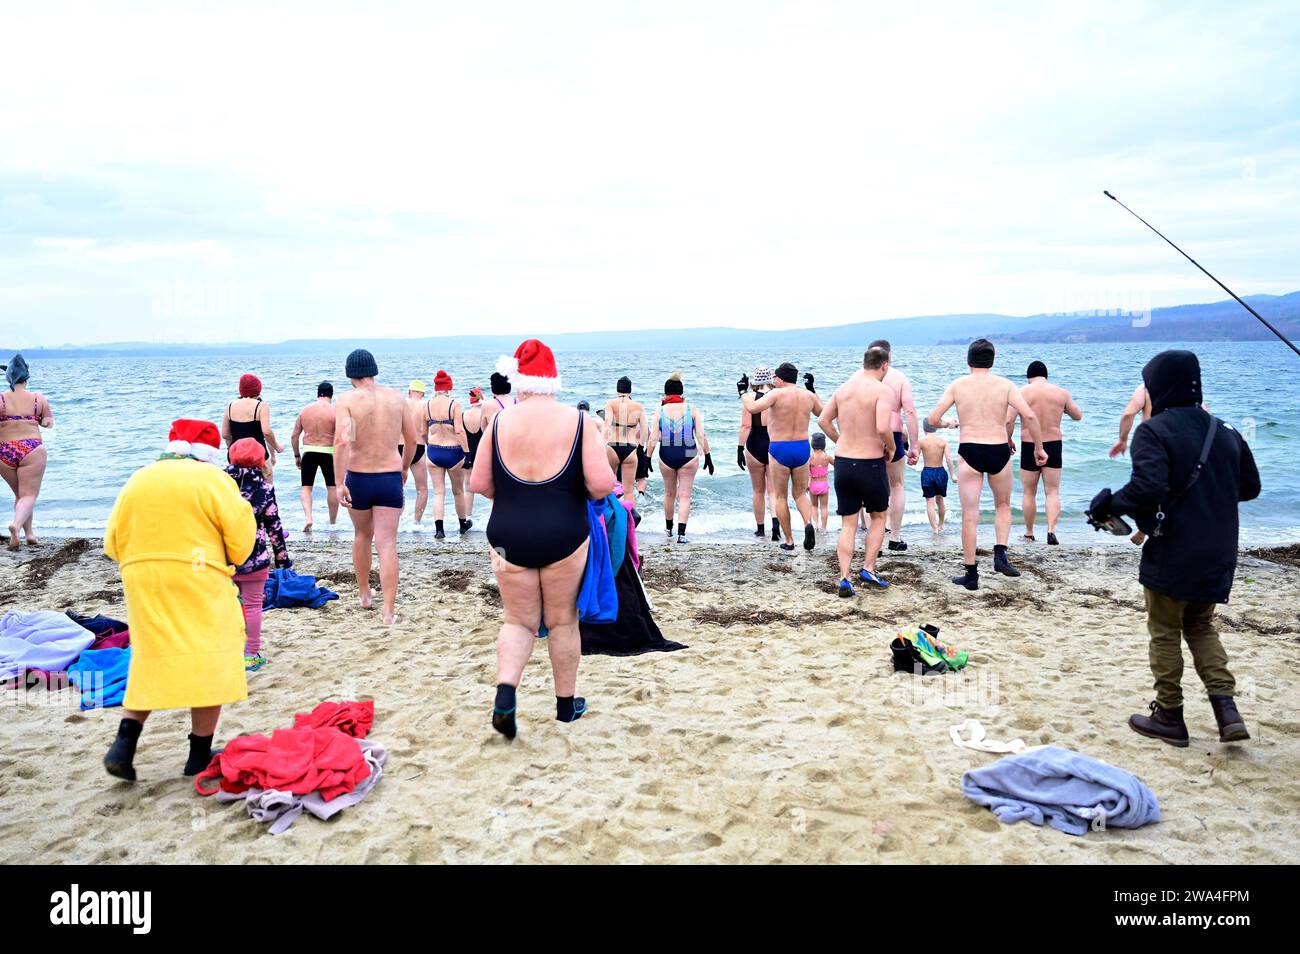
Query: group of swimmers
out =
(437, 439)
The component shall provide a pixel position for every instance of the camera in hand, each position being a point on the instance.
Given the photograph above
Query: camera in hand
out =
(1114, 524)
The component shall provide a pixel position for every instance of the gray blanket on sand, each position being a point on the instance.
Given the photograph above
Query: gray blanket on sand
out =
(1069, 791)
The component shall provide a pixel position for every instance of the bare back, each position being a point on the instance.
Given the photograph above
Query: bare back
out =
(982, 403)
(1049, 402)
(415, 410)
(317, 422)
(790, 412)
(372, 420)
(862, 406)
(933, 450)
(623, 420)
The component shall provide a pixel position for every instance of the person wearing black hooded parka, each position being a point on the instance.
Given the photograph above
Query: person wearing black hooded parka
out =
(1190, 554)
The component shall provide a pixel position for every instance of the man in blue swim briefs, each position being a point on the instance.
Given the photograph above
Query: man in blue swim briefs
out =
(983, 401)
(857, 419)
(371, 423)
(790, 409)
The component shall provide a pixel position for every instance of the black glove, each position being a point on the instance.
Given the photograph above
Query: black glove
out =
(708, 463)
(742, 385)
(808, 381)
(740, 456)
(649, 463)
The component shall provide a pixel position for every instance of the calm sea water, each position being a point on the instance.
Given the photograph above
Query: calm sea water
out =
(113, 416)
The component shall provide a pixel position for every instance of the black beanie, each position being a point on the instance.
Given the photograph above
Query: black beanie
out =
(673, 385)
(980, 353)
(500, 383)
(787, 372)
(361, 364)
(624, 385)
(1036, 370)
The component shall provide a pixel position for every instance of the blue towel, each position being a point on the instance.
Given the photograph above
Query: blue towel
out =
(1063, 788)
(85, 674)
(598, 598)
(285, 588)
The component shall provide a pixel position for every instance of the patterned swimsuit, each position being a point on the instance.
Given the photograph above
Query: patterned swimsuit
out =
(13, 453)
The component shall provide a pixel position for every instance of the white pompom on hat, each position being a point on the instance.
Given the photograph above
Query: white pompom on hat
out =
(532, 368)
(198, 439)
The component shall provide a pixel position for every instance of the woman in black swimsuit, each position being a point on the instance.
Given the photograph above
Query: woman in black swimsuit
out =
(250, 416)
(625, 429)
(751, 452)
(539, 465)
(473, 420)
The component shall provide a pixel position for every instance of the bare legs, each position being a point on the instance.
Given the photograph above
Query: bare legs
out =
(782, 478)
(331, 496)
(1052, 491)
(25, 482)
(421, 471)
(438, 477)
(377, 526)
(970, 483)
(896, 470)
(758, 481)
(847, 541)
(936, 509)
(533, 597)
(1001, 484)
(1029, 501)
(678, 485)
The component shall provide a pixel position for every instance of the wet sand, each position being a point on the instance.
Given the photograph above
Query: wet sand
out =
(780, 734)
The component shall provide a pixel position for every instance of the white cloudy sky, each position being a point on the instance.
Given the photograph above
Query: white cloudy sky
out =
(181, 171)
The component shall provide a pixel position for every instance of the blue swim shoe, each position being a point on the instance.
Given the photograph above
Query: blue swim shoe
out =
(866, 576)
(846, 588)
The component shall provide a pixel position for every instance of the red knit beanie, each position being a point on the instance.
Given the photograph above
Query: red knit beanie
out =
(247, 452)
(442, 381)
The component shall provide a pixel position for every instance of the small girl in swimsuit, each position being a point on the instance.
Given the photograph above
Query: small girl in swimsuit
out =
(819, 487)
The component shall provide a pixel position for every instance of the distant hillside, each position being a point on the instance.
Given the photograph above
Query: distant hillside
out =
(1218, 321)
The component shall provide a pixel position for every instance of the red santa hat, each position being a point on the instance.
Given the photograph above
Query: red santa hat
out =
(532, 369)
(198, 439)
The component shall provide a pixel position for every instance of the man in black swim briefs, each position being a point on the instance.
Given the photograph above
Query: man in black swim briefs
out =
(1051, 403)
(983, 401)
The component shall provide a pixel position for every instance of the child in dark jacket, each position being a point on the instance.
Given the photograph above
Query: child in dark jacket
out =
(1190, 555)
(247, 458)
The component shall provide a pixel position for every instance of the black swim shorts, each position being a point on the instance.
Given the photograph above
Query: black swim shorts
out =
(313, 461)
(1027, 461)
(861, 483)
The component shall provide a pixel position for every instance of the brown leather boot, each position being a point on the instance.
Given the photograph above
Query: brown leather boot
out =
(1232, 728)
(1167, 725)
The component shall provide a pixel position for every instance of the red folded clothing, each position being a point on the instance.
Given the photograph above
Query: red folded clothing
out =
(354, 718)
(299, 761)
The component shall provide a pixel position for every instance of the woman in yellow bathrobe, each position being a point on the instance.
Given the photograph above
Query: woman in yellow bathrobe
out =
(177, 530)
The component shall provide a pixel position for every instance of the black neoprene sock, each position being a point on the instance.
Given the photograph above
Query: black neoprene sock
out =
(569, 708)
(668, 524)
(681, 529)
(120, 758)
(200, 754)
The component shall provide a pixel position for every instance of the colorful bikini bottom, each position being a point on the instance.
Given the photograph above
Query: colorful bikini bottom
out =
(13, 452)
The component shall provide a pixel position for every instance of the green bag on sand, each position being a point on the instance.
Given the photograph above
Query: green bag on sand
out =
(926, 642)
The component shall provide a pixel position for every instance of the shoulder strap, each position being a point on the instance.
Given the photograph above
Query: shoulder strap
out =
(1210, 432)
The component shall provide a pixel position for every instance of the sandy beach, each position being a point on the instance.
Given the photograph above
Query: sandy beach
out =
(780, 735)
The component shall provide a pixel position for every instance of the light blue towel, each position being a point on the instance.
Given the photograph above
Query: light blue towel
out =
(42, 640)
(1067, 790)
(85, 675)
